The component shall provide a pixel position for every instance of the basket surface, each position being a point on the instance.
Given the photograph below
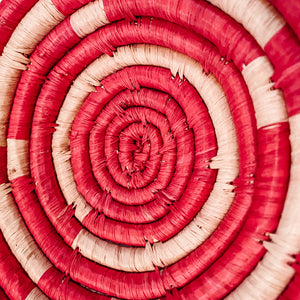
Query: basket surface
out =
(149, 149)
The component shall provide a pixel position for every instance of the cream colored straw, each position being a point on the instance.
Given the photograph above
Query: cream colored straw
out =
(259, 17)
(19, 238)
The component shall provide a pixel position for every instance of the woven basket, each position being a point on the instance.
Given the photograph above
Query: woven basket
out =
(150, 149)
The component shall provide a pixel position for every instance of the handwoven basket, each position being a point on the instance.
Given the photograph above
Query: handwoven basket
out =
(150, 149)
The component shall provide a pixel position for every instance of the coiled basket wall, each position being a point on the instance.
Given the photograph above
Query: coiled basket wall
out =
(150, 149)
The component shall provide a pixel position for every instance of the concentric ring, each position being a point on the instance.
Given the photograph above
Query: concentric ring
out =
(149, 155)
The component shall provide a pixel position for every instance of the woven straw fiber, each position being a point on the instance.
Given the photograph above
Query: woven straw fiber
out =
(150, 149)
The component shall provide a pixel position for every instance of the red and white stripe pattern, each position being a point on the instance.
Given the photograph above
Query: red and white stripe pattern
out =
(149, 149)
